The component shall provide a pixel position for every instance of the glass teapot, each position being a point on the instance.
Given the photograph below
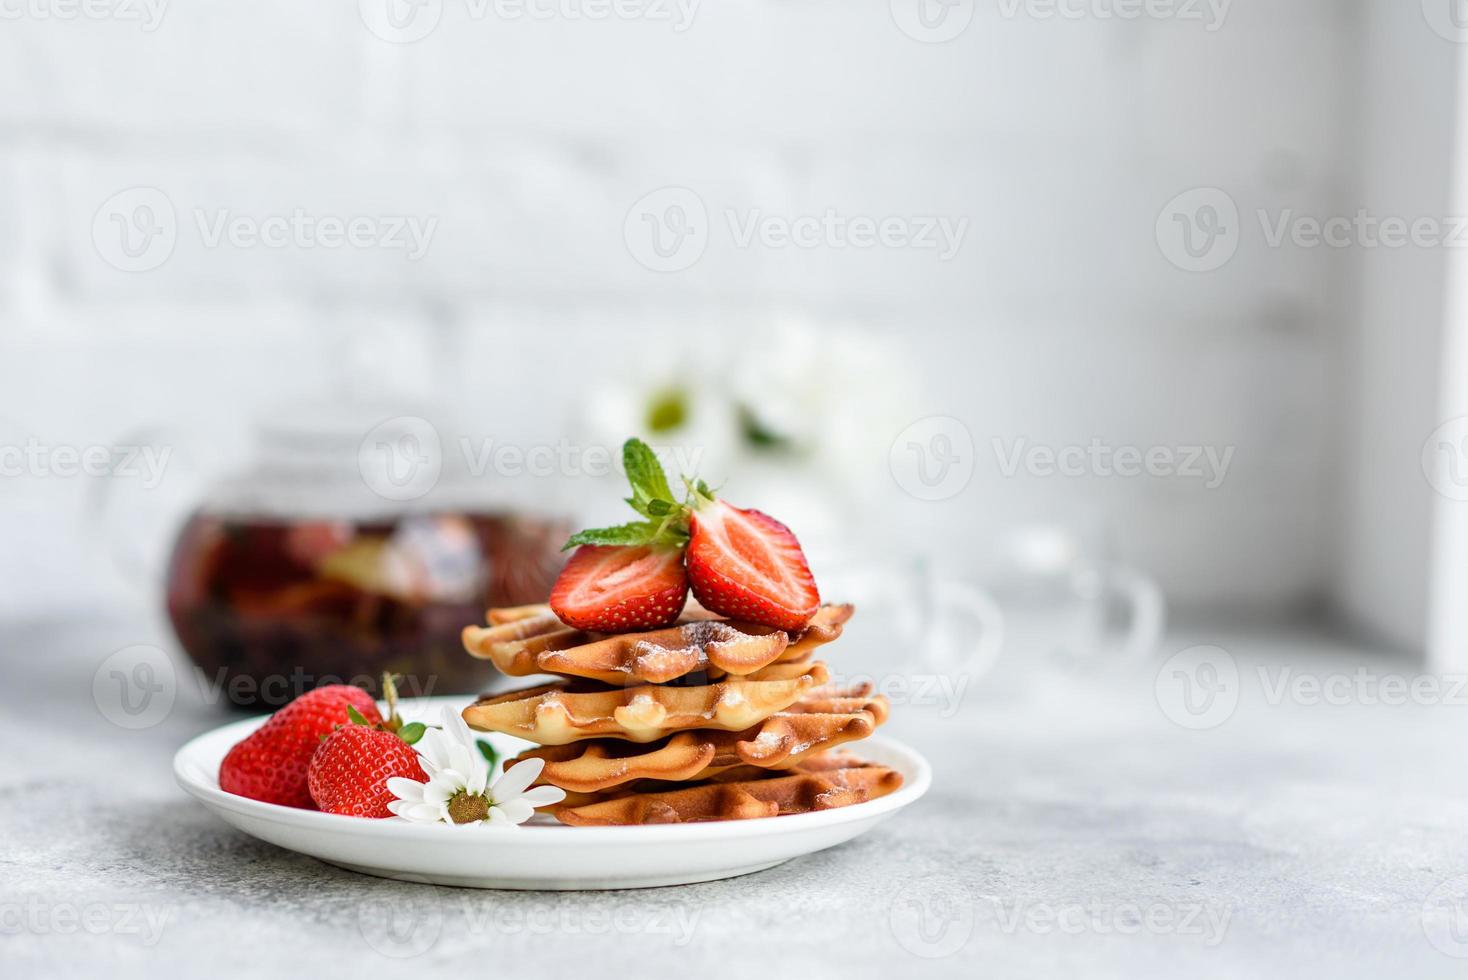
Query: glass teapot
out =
(343, 551)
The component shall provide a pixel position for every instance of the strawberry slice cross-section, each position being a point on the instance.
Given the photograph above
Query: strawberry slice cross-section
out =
(618, 588)
(746, 565)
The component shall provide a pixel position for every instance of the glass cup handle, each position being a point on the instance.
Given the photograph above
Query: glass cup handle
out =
(1147, 611)
(971, 627)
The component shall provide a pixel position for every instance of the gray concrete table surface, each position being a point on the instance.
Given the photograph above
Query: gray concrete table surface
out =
(1075, 828)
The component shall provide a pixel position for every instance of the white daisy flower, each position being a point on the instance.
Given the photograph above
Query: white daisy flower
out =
(458, 790)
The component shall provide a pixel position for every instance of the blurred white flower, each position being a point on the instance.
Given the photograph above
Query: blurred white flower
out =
(788, 393)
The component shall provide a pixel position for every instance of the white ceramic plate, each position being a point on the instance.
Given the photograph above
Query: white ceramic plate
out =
(549, 857)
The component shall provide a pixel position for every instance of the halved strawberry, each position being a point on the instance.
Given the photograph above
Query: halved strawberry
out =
(746, 565)
(619, 588)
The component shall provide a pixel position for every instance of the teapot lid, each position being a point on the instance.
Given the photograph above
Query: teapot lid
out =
(362, 461)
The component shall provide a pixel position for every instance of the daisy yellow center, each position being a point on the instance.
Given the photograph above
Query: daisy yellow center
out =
(467, 808)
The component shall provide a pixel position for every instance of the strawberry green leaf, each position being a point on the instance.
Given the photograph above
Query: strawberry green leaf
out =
(355, 716)
(412, 732)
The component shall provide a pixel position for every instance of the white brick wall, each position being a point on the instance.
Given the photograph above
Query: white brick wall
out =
(528, 142)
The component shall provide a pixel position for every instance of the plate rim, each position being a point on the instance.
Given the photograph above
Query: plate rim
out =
(915, 784)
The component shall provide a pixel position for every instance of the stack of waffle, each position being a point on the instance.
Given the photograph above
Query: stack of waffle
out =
(709, 719)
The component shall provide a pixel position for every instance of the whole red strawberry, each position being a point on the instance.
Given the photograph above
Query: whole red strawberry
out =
(746, 565)
(271, 764)
(615, 589)
(349, 772)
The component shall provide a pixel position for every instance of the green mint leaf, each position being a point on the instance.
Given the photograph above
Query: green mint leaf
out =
(645, 474)
(412, 732)
(636, 533)
(487, 750)
(666, 523)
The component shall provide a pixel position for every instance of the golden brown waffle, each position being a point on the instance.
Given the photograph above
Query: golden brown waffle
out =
(825, 786)
(781, 741)
(814, 763)
(827, 704)
(555, 714)
(825, 627)
(510, 614)
(531, 640)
